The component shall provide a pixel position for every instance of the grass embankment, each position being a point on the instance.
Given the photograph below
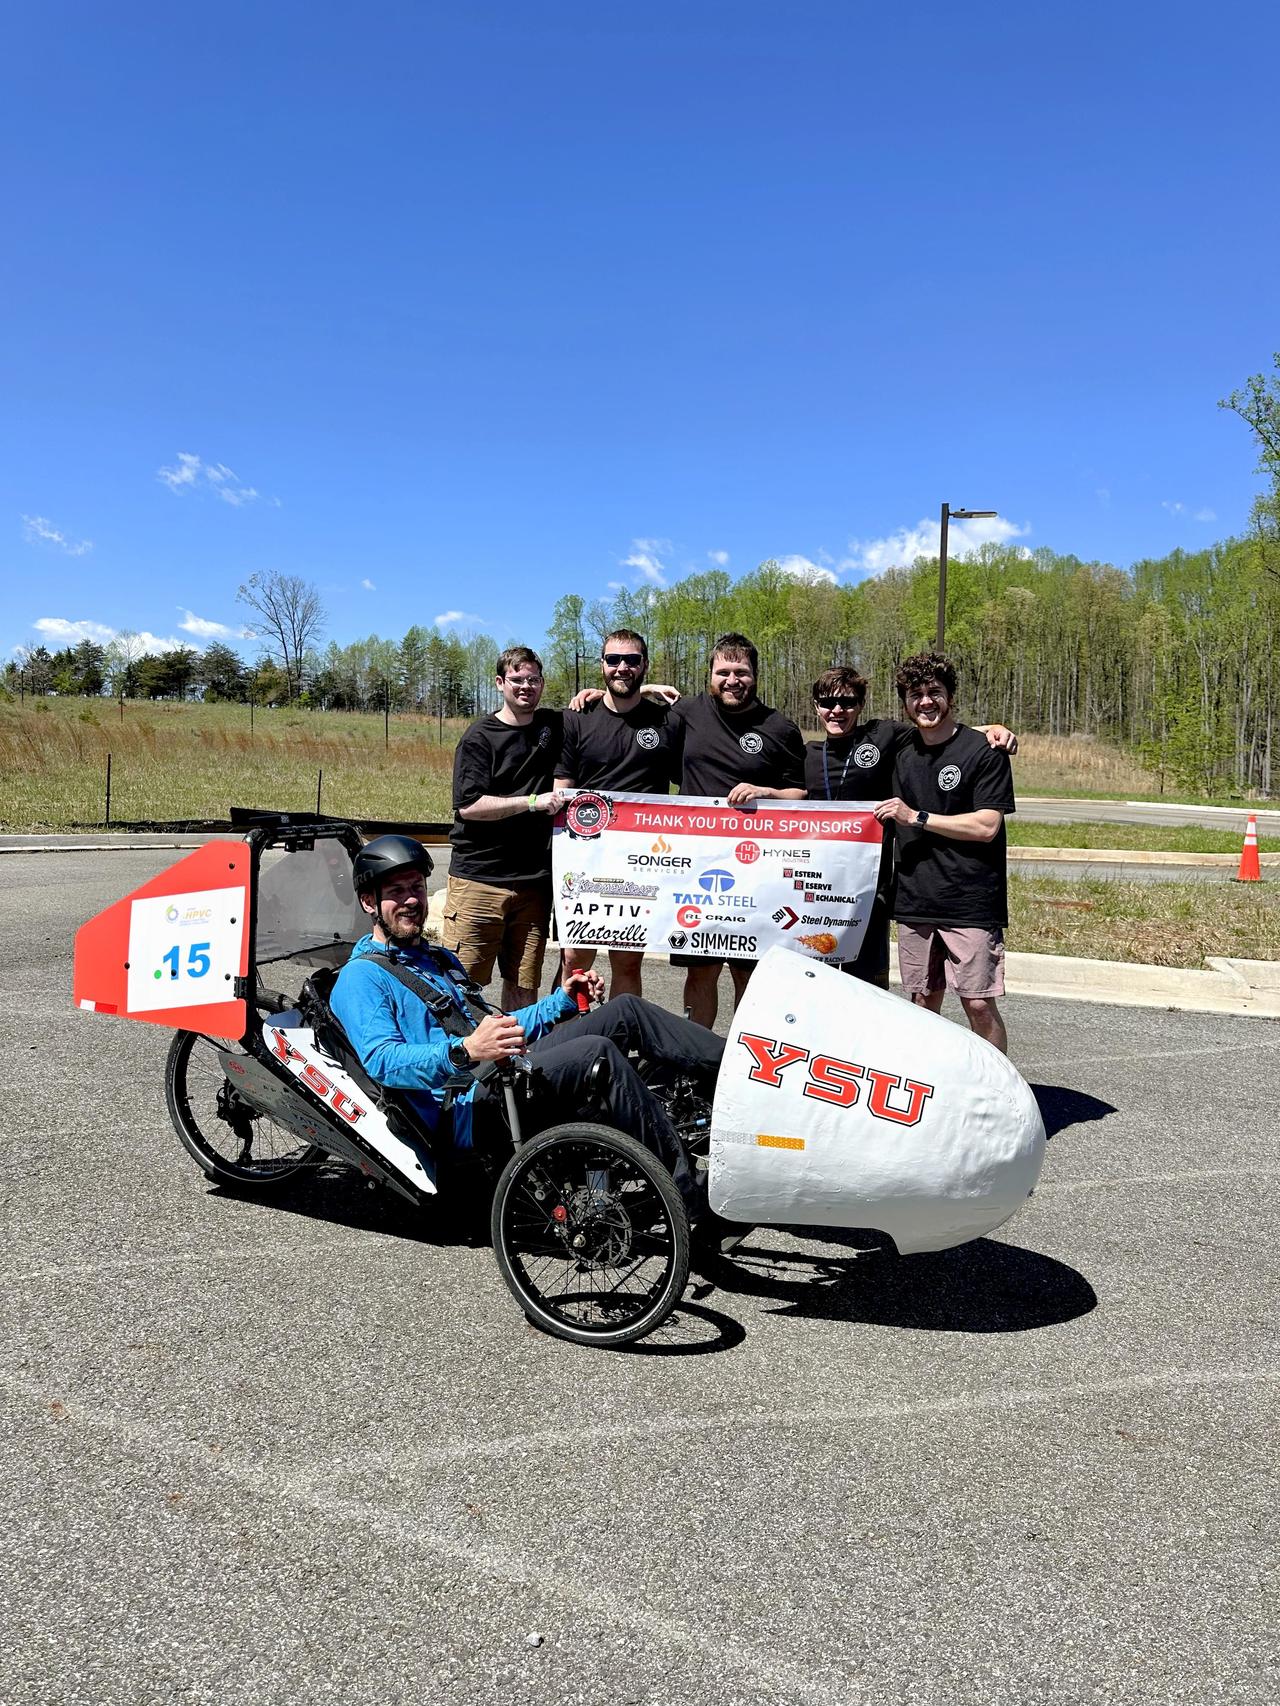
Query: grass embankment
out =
(1156, 924)
(195, 761)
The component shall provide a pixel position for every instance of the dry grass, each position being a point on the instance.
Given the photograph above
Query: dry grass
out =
(1079, 764)
(1157, 924)
(195, 761)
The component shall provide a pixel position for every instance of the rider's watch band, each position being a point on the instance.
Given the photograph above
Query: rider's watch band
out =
(458, 1056)
(922, 818)
(533, 802)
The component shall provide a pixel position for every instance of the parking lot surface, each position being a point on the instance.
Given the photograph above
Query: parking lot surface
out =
(304, 1448)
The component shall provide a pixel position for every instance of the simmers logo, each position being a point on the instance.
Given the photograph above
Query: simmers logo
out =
(828, 1078)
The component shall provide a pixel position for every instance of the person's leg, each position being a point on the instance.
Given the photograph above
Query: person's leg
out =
(985, 1020)
(625, 972)
(920, 966)
(664, 1041)
(701, 982)
(473, 925)
(564, 1062)
(524, 942)
(872, 963)
(976, 958)
(740, 971)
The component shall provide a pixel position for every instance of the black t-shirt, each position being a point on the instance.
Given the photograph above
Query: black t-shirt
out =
(628, 751)
(717, 749)
(494, 757)
(859, 767)
(942, 881)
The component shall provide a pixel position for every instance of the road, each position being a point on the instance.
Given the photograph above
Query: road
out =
(306, 1450)
(1039, 810)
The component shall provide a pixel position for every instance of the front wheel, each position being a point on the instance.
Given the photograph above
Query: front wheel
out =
(591, 1235)
(233, 1144)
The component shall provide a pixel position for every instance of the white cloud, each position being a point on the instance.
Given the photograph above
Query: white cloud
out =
(39, 530)
(719, 558)
(447, 618)
(1206, 515)
(646, 558)
(804, 569)
(63, 633)
(204, 629)
(1177, 507)
(69, 633)
(1173, 508)
(368, 585)
(900, 549)
(190, 472)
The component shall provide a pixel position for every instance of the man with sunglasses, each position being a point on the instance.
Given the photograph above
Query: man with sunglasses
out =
(622, 745)
(855, 761)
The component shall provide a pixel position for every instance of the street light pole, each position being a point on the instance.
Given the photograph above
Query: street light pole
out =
(960, 515)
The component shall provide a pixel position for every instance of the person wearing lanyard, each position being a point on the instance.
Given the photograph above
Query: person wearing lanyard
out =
(855, 761)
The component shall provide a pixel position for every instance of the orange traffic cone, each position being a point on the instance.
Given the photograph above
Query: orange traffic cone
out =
(1249, 871)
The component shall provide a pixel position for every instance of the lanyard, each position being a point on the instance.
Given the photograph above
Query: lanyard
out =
(826, 770)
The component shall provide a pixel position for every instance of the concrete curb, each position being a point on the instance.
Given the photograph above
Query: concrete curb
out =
(1128, 856)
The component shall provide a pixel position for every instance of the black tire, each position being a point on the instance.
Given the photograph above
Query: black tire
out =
(231, 1143)
(628, 1270)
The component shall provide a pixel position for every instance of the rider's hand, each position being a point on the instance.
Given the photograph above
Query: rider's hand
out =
(747, 793)
(589, 981)
(496, 1037)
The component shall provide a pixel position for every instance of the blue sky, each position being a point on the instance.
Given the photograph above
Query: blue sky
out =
(452, 309)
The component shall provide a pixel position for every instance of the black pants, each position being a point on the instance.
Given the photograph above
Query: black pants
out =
(565, 1057)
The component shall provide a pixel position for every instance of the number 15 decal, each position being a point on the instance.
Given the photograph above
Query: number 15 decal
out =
(197, 959)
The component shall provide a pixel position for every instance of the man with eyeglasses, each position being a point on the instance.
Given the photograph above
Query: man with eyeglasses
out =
(498, 904)
(854, 761)
(621, 745)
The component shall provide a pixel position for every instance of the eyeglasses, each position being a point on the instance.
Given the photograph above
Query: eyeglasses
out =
(838, 702)
(615, 659)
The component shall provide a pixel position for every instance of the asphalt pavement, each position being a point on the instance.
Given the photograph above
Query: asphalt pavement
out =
(305, 1449)
(1171, 815)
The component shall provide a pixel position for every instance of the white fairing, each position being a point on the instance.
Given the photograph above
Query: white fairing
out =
(839, 1104)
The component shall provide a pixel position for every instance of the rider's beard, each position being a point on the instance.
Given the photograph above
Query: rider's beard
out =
(403, 930)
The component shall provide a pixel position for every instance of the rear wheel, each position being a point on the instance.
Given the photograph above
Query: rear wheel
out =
(225, 1137)
(591, 1235)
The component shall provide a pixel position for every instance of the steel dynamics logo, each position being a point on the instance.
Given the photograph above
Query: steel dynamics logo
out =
(659, 857)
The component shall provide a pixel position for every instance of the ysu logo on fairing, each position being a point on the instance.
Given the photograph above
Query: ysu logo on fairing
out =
(837, 1081)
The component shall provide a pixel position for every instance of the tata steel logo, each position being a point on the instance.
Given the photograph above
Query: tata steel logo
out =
(716, 882)
(746, 852)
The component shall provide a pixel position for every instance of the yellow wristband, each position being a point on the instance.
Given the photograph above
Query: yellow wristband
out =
(533, 802)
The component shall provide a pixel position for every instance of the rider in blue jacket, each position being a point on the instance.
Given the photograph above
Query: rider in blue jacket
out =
(402, 1043)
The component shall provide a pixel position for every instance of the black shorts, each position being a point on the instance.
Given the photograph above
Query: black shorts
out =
(709, 960)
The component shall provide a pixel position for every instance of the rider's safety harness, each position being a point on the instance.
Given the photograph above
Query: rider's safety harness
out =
(457, 1006)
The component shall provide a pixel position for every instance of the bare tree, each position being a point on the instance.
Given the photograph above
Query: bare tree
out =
(123, 655)
(292, 616)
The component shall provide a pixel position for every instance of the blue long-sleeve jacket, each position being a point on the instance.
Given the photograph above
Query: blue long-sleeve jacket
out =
(400, 1041)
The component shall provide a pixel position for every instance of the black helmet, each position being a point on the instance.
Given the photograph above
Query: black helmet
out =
(386, 853)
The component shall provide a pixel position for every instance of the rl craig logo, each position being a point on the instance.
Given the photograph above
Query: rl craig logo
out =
(587, 815)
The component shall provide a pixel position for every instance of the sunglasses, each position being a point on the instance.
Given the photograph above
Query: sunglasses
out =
(615, 659)
(838, 702)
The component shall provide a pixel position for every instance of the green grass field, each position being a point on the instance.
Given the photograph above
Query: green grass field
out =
(1149, 837)
(1157, 924)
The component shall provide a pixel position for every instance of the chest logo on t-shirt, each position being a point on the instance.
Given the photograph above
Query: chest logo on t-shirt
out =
(867, 756)
(949, 777)
(751, 743)
(647, 738)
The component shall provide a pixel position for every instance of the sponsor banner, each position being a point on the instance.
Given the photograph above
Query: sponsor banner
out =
(694, 876)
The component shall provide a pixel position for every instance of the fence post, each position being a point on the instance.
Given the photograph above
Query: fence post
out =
(386, 716)
(107, 815)
(319, 782)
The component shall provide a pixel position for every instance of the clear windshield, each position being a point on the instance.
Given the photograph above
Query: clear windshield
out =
(306, 906)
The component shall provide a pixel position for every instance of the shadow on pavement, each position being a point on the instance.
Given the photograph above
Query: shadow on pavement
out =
(1061, 1107)
(338, 1196)
(983, 1287)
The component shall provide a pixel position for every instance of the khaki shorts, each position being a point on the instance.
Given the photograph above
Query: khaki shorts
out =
(484, 923)
(968, 959)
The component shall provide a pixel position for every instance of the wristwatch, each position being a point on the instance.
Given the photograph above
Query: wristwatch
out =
(459, 1059)
(922, 818)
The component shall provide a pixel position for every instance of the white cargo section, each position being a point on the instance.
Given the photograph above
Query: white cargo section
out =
(839, 1104)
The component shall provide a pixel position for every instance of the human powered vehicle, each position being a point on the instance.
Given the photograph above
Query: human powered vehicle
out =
(836, 1104)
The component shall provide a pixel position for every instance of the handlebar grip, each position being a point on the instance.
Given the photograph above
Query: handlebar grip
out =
(583, 1000)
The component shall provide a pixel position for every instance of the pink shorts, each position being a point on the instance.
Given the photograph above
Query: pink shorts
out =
(968, 959)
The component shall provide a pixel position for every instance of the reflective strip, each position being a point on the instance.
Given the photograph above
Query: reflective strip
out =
(764, 1141)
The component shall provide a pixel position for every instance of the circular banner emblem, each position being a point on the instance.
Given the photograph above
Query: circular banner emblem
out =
(586, 815)
(689, 916)
(949, 777)
(746, 852)
(867, 756)
(647, 738)
(751, 742)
